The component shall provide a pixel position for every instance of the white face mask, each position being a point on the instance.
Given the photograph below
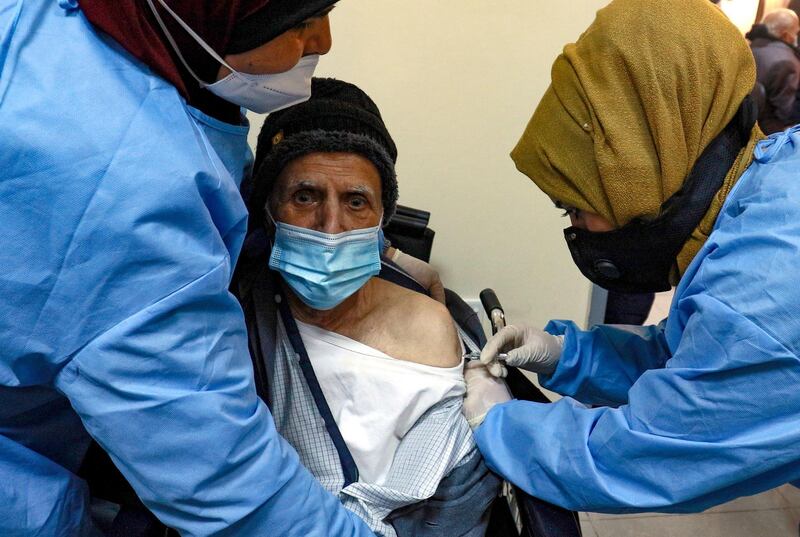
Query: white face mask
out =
(258, 93)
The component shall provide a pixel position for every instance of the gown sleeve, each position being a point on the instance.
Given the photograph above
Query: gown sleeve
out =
(600, 365)
(169, 393)
(692, 435)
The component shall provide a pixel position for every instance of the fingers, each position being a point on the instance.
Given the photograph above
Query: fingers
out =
(505, 338)
(520, 357)
(436, 290)
(496, 369)
(539, 354)
(483, 392)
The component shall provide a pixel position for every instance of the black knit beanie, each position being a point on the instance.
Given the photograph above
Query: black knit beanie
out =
(272, 20)
(339, 118)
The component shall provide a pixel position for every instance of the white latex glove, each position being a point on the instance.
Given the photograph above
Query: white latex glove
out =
(483, 392)
(525, 347)
(422, 272)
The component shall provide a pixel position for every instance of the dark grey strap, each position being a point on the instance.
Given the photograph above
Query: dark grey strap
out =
(349, 468)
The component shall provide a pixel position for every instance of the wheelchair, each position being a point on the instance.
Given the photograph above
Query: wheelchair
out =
(120, 513)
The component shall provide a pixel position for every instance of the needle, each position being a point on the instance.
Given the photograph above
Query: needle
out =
(476, 355)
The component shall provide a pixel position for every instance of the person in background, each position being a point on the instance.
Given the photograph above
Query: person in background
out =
(778, 69)
(647, 139)
(758, 30)
(122, 148)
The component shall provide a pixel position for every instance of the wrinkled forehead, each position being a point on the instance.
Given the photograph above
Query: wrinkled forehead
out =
(330, 172)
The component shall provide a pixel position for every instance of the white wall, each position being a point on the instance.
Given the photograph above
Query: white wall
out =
(743, 12)
(457, 81)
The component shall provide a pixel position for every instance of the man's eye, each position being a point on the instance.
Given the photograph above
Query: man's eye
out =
(304, 197)
(358, 202)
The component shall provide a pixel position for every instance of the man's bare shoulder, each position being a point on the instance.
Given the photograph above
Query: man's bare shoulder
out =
(420, 329)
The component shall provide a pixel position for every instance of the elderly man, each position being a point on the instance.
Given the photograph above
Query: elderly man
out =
(364, 377)
(778, 70)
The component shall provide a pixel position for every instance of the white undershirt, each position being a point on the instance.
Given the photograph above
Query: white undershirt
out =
(375, 399)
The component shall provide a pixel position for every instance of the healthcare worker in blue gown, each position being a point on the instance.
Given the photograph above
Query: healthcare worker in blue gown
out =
(122, 150)
(646, 138)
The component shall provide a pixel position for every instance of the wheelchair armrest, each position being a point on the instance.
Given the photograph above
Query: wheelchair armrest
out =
(540, 518)
(408, 230)
(522, 388)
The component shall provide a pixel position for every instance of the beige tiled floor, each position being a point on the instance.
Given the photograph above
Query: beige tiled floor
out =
(772, 514)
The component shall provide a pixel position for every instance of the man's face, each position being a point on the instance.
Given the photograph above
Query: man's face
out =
(791, 35)
(328, 192)
(313, 36)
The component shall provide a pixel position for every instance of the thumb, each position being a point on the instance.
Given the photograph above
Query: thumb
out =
(507, 337)
(497, 369)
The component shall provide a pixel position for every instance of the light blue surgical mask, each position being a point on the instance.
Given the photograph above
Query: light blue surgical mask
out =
(324, 269)
(258, 93)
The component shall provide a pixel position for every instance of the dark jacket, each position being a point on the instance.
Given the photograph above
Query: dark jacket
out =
(778, 68)
(461, 506)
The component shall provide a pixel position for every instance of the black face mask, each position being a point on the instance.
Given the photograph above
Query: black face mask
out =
(638, 257)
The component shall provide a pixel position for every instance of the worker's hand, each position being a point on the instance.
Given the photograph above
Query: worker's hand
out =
(420, 271)
(483, 392)
(525, 347)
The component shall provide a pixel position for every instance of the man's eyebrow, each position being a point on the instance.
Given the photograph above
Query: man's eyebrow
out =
(310, 183)
(302, 183)
(363, 189)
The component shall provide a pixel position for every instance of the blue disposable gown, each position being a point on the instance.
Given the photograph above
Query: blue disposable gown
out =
(120, 222)
(700, 410)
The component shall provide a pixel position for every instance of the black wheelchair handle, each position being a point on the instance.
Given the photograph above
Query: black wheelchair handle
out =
(490, 301)
(491, 304)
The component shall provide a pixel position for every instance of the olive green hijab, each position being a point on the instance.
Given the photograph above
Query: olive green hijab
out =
(631, 107)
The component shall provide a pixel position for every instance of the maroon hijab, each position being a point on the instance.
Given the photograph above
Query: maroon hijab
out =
(132, 24)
